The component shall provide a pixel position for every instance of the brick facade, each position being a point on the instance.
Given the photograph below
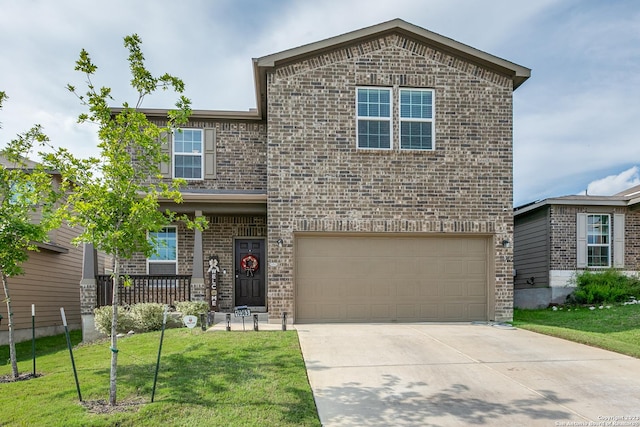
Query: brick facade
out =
(217, 240)
(299, 152)
(241, 152)
(564, 241)
(319, 181)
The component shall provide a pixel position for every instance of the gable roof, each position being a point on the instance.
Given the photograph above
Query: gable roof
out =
(627, 198)
(630, 192)
(517, 73)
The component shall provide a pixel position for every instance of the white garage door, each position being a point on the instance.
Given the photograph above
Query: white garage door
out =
(390, 279)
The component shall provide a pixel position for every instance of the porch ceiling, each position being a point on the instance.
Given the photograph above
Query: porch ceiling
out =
(244, 202)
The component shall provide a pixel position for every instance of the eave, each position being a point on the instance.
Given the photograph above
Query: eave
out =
(517, 73)
(161, 113)
(573, 201)
(219, 202)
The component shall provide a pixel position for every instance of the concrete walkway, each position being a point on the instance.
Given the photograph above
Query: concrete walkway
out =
(462, 374)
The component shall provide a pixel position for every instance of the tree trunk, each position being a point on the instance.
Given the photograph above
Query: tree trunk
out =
(114, 333)
(12, 344)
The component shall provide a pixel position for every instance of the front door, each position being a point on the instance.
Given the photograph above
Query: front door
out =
(250, 272)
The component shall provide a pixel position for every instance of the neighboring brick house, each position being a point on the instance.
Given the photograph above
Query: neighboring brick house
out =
(372, 183)
(554, 238)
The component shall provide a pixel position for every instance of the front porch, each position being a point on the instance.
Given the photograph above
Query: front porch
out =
(208, 264)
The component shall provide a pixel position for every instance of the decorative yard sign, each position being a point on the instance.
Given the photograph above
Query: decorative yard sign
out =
(242, 311)
(190, 321)
(213, 271)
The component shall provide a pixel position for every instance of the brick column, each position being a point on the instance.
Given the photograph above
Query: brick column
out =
(198, 289)
(88, 293)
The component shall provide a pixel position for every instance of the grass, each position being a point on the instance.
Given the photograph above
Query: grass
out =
(616, 329)
(206, 378)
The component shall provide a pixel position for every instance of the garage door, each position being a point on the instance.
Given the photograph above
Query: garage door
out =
(390, 279)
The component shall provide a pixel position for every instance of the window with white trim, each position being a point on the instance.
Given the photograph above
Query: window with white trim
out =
(164, 259)
(416, 119)
(373, 112)
(598, 240)
(188, 156)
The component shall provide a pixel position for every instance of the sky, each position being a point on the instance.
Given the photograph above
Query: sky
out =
(573, 119)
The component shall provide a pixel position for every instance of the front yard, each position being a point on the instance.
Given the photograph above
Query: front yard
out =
(205, 378)
(612, 327)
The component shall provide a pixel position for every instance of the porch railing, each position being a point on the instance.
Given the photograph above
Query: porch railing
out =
(144, 288)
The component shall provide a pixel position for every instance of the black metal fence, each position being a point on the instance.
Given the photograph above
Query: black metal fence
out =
(161, 289)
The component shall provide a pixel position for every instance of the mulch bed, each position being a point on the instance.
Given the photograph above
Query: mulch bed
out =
(21, 377)
(103, 407)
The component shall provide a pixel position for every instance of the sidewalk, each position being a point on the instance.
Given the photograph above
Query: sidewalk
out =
(220, 323)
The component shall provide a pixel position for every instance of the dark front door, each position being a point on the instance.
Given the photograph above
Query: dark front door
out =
(250, 272)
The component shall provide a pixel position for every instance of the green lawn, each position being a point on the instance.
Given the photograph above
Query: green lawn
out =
(206, 378)
(616, 329)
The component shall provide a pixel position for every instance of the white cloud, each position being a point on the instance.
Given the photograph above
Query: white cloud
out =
(614, 184)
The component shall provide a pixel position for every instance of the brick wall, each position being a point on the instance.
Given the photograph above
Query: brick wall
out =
(319, 181)
(564, 240)
(632, 240)
(240, 155)
(218, 240)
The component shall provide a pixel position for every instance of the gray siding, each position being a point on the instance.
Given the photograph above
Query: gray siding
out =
(531, 250)
(51, 280)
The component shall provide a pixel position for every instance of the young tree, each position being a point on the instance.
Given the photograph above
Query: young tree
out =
(115, 199)
(27, 212)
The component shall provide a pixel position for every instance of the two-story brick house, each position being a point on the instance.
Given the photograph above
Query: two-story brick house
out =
(373, 182)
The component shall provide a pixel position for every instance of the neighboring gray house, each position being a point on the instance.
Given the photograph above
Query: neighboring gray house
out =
(50, 281)
(373, 183)
(556, 237)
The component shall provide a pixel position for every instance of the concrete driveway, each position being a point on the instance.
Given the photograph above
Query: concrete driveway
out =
(462, 374)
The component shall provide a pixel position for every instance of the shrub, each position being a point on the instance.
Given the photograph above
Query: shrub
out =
(103, 317)
(192, 308)
(143, 317)
(607, 286)
(147, 316)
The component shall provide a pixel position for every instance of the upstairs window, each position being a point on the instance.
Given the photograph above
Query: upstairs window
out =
(598, 241)
(164, 259)
(416, 119)
(188, 154)
(374, 118)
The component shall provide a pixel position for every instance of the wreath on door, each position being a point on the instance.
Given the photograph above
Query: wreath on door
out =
(249, 264)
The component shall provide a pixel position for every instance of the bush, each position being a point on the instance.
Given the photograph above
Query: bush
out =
(103, 317)
(147, 316)
(143, 317)
(192, 308)
(607, 286)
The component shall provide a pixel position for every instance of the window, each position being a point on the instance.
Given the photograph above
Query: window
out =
(601, 242)
(187, 154)
(191, 154)
(598, 241)
(416, 119)
(165, 257)
(374, 118)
